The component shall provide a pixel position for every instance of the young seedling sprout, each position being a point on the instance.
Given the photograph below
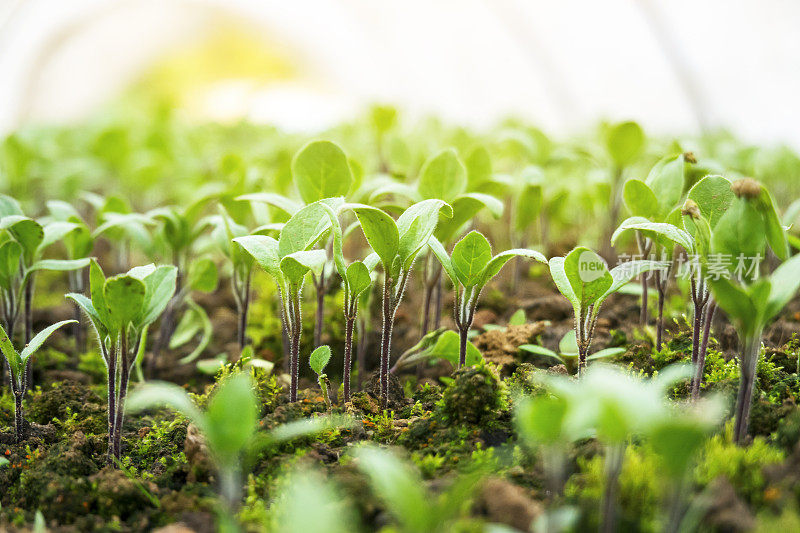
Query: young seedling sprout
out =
(19, 362)
(470, 267)
(288, 260)
(318, 361)
(320, 171)
(397, 245)
(568, 352)
(121, 308)
(356, 280)
(751, 302)
(585, 280)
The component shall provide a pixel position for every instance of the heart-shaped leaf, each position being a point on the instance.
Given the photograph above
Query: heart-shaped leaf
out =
(470, 257)
(320, 170)
(443, 176)
(319, 358)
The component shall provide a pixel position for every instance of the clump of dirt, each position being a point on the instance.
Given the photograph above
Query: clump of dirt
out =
(505, 503)
(397, 396)
(475, 396)
(501, 346)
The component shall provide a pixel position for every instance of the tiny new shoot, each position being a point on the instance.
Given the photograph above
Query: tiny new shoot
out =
(585, 280)
(318, 361)
(19, 363)
(568, 352)
(397, 245)
(288, 260)
(470, 267)
(121, 308)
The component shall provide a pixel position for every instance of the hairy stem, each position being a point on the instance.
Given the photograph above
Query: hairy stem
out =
(751, 350)
(111, 362)
(386, 341)
(125, 372)
(294, 357)
(697, 381)
(19, 419)
(348, 354)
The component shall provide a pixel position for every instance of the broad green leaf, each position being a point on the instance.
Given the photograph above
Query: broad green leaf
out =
(124, 296)
(732, 299)
(203, 275)
(264, 250)
(10, 255)
(655, 230)
(776, 235)
(518, 318)
(785, 282)
(416, 225)
(358, 278)
(741, 231)
(470, 257)
(443, 176)
(39, 339)
(142, 271)
(26, 231)
(303, 230)
(319, 358)
(540, 350)
(540, 420)
(320, 170)
(667, 181)
(479, 167)
(57, 231)
(380, 231)
(441, 254)
(270, 198)
(623, 273)
(295, 266)
(559, 274)
(603, 354)
(60, 265)
(465, 208)
(588, 275)
(152, 395)
(97, 282)
(625, 143)
(713, 197)
(528, 207)
(228, 435)
(497, 262)
(568, 345)
(159, 289)
(640, 200)
(398, 487)
(447, 347)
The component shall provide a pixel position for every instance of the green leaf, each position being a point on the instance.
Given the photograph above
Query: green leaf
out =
(443, 176)
(13, 358)
(57, 231)
(677, 440)
(479, 167)
(264, 250)
(667, 181)
(304, 230)
(276, 200)
(9, 206)
(295, 266)
(448, 347)
(228, 435)
(416, 225)
(160, 286)
(656, 230)
(540, 420)
(380, 230)
(10, 255)
(97, 282)
(470, 257)
(640, 200)
(26, 231)
(124, 296)
(528, 207)
(741, 231)
(785, 282)
(358, 278)
(86, 305)
(588, 275)
(568, 345)
(518, 318)
(398, 487)
(203, 275)
(540, 350)
(465, 208)
(60, 265)
(161, 394)
(625, 143)
(623, 273)
(441, 254)
(713, 197)
(319, 358)
(497, 262)
(559, 274)
(776, 235)
(732, 299)
(39, 339)
(320, 170)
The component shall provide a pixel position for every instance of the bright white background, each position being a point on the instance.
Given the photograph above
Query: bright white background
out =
(676, 65)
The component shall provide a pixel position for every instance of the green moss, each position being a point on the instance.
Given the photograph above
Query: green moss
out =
(475, 396)
(743, 466)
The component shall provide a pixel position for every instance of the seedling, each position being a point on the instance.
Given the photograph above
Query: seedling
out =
(288, 260)
(624, 144)
(568, 352)
(585, 280)
(356, 280)
(470, 268)
(744, 231)
(229, 425)
(320, 171)
(397, 245)
(656, 200)
(318, 361)
(19, 362)
(121, 308)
